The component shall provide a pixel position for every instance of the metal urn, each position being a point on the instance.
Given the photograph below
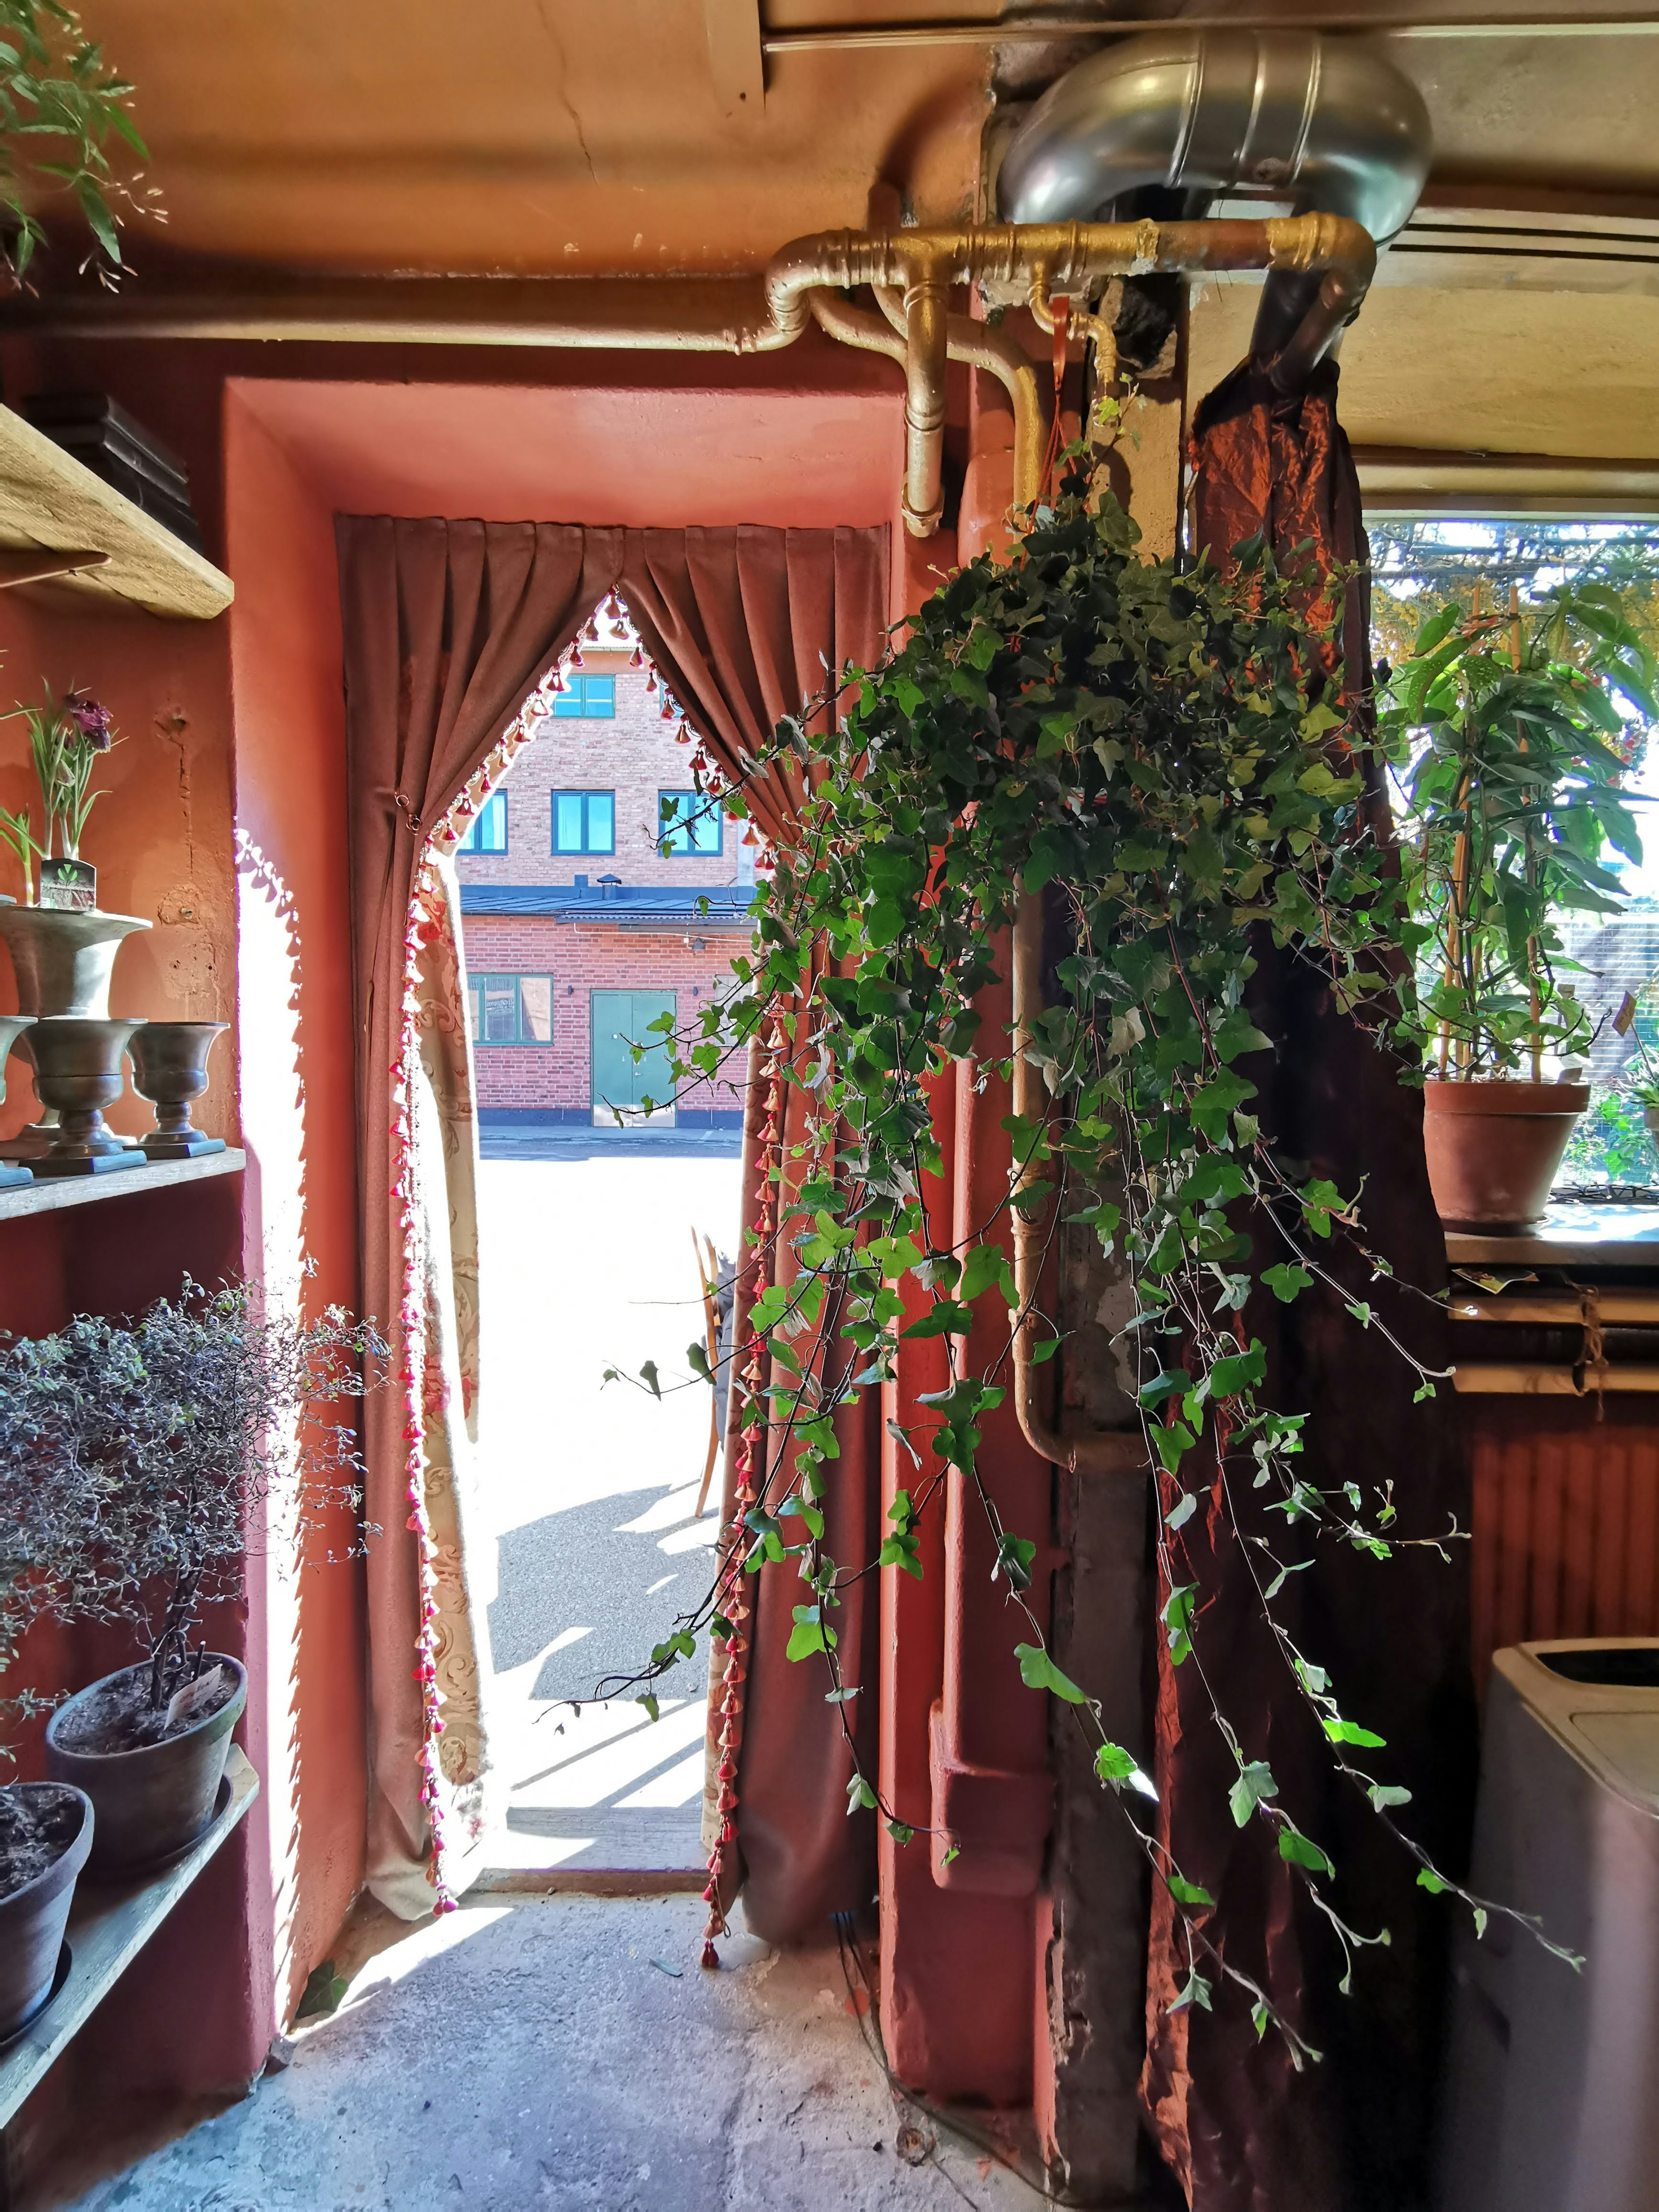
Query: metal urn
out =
(169, 1068)
(63, 960)
(11, 1028)
(78, 1069)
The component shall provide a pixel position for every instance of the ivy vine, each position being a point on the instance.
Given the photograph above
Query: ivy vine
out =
(1167, 752)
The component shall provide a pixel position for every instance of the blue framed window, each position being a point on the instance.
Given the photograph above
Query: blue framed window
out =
(487, 831)
(689, 824)
(511, 1009)
(584, 821)
(589, 698)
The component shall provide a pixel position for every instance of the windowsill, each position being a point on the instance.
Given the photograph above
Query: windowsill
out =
(1568, 1236)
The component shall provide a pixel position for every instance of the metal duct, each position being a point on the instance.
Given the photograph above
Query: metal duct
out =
(1325, 122)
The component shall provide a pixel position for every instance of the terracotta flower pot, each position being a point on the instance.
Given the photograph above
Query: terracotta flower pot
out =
(1493, 1148)
(154, 1800)
(31, 1918)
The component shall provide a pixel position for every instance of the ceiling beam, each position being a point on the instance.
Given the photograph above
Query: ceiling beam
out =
(735, 57)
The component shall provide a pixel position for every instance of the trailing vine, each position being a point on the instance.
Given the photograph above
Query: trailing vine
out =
(1167, 753)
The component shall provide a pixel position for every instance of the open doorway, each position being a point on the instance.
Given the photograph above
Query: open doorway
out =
(601, 899)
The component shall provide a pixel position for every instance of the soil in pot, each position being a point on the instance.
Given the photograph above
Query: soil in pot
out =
(116, 1714)
(45, 1834)
(152, 1774)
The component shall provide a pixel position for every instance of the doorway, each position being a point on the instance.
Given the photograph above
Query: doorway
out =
(620, 1082)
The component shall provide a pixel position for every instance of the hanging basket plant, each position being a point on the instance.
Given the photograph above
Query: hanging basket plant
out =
(1509, 751)
(1168, 757)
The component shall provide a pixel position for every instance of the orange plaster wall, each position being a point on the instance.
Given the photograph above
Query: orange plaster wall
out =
(300, 1128)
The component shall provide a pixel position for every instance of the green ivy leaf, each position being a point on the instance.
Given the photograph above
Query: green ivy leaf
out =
(1186, 1892)
(1287, 1280)
(1255, 1785)
(1013, 1561)
(1038, 1672)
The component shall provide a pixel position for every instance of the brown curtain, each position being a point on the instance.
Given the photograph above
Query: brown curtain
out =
(747, 625)
(448, 627)
(1238, 2125)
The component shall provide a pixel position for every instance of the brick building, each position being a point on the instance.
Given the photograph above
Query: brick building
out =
(597, 894)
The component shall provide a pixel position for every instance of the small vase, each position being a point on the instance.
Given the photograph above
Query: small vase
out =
(1493, 1148)
(78, 1069)
(169, 1068)
(11, 1028)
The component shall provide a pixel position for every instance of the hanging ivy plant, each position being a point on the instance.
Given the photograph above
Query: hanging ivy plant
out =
(1168, 753)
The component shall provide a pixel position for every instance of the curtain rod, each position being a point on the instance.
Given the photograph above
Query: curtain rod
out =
(824, 37)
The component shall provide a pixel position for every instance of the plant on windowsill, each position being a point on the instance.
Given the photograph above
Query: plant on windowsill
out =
(1506, 749)
(191, 1429)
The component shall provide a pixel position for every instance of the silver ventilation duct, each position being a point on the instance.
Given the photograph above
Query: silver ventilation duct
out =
(1323, 122)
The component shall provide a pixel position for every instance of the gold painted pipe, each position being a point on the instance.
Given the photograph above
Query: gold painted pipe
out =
(723, 316)
(1095, 1451)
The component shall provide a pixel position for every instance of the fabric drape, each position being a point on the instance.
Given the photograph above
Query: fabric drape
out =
(447, 626)
(1240, 2129)
(746, 625)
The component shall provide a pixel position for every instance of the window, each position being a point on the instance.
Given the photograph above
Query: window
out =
(1419, 567)
(511, 1009)
(584, 821)
(689, 823)
(591, 697)
(487, 831)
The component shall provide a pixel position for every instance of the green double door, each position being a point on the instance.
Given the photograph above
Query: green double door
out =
(621, 1019)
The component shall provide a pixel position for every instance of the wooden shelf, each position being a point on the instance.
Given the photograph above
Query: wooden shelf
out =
(51, 1194)
(52, 506)
(110, 1923)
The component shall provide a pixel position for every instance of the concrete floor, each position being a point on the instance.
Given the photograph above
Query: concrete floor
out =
(568, 2053)
(592, 1488)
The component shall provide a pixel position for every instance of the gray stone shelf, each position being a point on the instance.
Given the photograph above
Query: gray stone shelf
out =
(51, 1194)
(110, 1923)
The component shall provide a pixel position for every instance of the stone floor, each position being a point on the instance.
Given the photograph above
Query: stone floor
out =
(565, 2053)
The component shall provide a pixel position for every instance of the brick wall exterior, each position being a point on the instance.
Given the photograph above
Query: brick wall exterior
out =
(635, 757)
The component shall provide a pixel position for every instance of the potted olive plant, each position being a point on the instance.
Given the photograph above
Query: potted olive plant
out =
(1506, 743)
(191, 1426)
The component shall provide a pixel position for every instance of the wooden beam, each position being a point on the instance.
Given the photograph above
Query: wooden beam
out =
(734, 56)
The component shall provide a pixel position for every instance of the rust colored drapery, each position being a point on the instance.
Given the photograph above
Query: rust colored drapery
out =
(747, 625)
(448, 627)
(1240, 2129)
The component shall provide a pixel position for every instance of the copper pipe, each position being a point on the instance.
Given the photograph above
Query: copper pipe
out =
(1072, 258)
(1096, 1451)
(982, 345)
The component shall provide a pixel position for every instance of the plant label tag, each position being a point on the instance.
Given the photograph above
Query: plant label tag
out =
(195, 1697)
(72, 883)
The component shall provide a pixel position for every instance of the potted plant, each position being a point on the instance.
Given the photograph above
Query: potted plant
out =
(1506, 749)
(63, 949)
(191, 1425)
(51, 1566)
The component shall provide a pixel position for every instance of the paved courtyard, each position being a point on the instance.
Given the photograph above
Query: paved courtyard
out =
(588, 1264)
